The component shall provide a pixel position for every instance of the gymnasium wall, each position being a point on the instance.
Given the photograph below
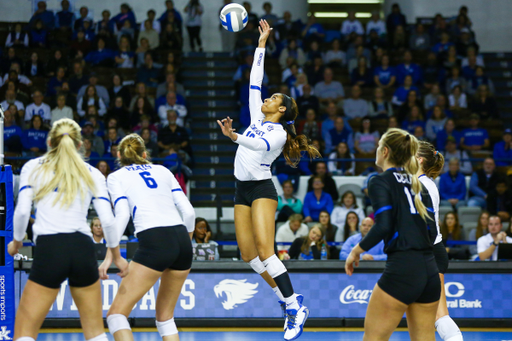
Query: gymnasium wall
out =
(491, 19)
(21, 10)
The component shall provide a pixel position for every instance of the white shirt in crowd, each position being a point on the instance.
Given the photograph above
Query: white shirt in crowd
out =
(102, 110)
(180, 109)
(462, 101)
(332, 166)
(58, 114)
(6, 105)
(151, 195)
(12, 37)
(54, 219)
(484, 242)
(286, 235)
(42, 110)
(262, 142)
(156, 26)
(349, 26)
(21, 78)
(434, 196)
(379, 26)
(338, 216)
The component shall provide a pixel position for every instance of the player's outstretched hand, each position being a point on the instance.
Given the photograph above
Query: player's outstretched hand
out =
(349, 263)
(227, 128)
(264, 29)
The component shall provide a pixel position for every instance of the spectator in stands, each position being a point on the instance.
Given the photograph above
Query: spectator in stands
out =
(170, 38)
(366, 201)
(292, 229)
(414, 119)
(10, 99)
(150, 34)
(392, 122)
(366, 141)
(106, 28)
(448, 131)
(338, 134)
(65, 19)
(353, 60)
(468, 71)
(399, 40)
(361, 76)
(316, 201)
(433, 74)
(450, 59)
(104, 168)
(10, 59)
(12, 133)
(148, 73)
(376, 24)
(335, 57)
(350, 228)
(88, 153)
(293, 51)
(34, 138)
(419, 133)
(155, 24)
(487, 245)
(313, 31)
(452, 186)
(443, 45)
(310, 126)
(408, 68)
(89, 31)
(151, 145)
(80, 46)
(395, 18)
(452, 230)
(355, 107)
(419, 40)
(474, 138)
(451, 152)
(480, 230)
(169, 4)
(342, 167)
(402, 92)
(125, 15)
(17, 38)
(329, 184)
(375, 253)
(329, 89)
(112, 156)
(55, 83)
(141, 91)
(348, 203)
(16, 76)
(405, 108)
(173, 134)
(84, 15)
(120, 112)
(308, 247)
(203, 235)
(351, 24)
(379, 107)
(499, 199)
(287, 203)
(102, 56)
(194, 12)
(141, 51)
(328, 228)
(61, 111)
(435, 123)
(457, 99)
(503, 150)
(124, 57)
(38, 108)
(112, 139)
(454, 80)
(78, 80)
(315, 71)
(484, 104)
(119, 90)
(46, 17)
(97, 143)
(479, 78)
(307, 101)
(482, 182)
(97, 231)
(172, 105)
(384, 75)
(34, 67)
(142, 108)
(91, 98)
(431, 98)
(38, 35)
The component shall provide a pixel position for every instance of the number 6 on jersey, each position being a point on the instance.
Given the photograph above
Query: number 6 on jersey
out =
(150, 182)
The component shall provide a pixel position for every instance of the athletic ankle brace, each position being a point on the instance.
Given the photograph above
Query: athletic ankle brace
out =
(117, 322)
(166, 328)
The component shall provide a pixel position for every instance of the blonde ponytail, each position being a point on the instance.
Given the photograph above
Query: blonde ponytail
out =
(131, 150)
(412, 168)
(63, 169)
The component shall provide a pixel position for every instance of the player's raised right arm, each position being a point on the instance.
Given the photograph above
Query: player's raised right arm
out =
(258, 70)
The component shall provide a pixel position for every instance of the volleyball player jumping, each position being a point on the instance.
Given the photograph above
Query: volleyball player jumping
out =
(410, 282)
(431, 163)
(152, 196)
(62, 185)
(271, 132)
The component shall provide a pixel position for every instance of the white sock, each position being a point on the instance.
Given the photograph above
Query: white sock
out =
(448, 330)
(291, 302)
(278, 293)
(25, 338)
(101, 337)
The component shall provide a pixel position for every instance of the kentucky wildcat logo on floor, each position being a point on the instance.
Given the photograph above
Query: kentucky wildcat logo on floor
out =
(235, 291)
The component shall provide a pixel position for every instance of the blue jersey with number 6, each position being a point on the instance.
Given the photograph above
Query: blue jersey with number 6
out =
(152, 196)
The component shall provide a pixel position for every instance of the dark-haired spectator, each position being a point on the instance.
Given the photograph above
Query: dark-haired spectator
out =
(482, 182)
(15, 75)
(125, 15)
(17, 38)
(465, 42)
(142, 108)
(56, 60)
(435, 123)
(155, 24)
(379, 107)
(443, 45)
(451, 152)
(78, 80)
(457, 99)
(478, 79)
(454, 80)
(102, 56)
(431, 98)
(97, 143)
(452, 186)
(375, 253)
(451, 59)
(340, 133)
(468, 71)
(350, 25)
(112, 155)
(46, 17)
(84, 15)
(287, 203)
(329, 90)
(315, 72)
(34, 138)
(433, 74)
(340, 216)
(10, 99)
(355, 53)
(292, 50)
(335, 56)
(80, 46)
(173, 134)
(419, 39)
(150, 34)
(141, 91)
(442, 102)
(394, 19)
(376, 44)
(13, 134)
(332, 113)
(376, 24)
(408, 68)
(440, 26)
(487, 245)
(330, 185)
(452, 230)
(399, 39)
(308, 247)
(65, 19)
(87, 28)
(484, 105)
(307, 101)
(120, 112)
(342, 167)
(151, 145)
(38, 108)
(106, 27)
(499, 199)
(104, 168)
(194, 12)
(361, 75)
(91, 98)
(38, 35)
(313, 31)
(119, 90)
(317, 200)
(384, 75)
(419, 133)
(473, 53)
(412, 101)
(474, 138)
(124, 57)
(287, 28)
(10, 58)
(355, 107)
(55, 83)
(402, 92)
(413, 119)
(292, 229)
(169, 4)
(172, 105)
(61, 111)
(112, 139)
(88, 153)
(313, 52)
(310, 126)
(170, 39)
(366, 141)
(482, 228)
(203, 235)
(148, 73)
(503, 150)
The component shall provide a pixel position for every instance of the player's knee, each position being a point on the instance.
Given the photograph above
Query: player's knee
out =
(167, 327)
(246, 258)
(265, 251)
(117, 322)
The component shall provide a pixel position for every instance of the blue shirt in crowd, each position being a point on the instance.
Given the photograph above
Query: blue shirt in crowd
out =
(475, 137)
(34, 138)
(384, 75)
(377, 251)
(334, 137)
(401, 94)
(501, 153)
(313, 207)
(452, 187)
(442, 136)
(96, 57)
(411, 125)
(64, 19)
(47, 17)
(412, 69)
(121, 18)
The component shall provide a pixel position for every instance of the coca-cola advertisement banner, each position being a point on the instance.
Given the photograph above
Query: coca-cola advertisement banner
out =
(334, 295)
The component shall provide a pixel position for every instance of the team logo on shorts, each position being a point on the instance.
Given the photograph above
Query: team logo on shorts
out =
(235, 291)
(270, 128)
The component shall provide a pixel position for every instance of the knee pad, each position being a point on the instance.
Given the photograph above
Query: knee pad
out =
(101, 337)
(257, 265)
(274, 266)
(117, 322)
(166, 328)
(25, 338)
(447, 329)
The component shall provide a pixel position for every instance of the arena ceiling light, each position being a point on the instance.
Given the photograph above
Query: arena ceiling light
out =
(341, 2)
(340, 15)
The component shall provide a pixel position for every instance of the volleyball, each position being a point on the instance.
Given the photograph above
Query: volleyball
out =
(233, 17)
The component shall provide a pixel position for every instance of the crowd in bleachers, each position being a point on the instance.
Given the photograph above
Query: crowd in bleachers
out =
(114, 76)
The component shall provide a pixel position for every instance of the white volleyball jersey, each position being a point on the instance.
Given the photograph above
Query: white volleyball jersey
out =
(150, 194)
(262, 142)
(53, 219)
(434, 195)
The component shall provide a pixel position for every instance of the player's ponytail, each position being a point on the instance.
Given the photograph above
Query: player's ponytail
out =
(403, 148)
(63, 169)
(433, 161)
(131, 150)
(295, 144)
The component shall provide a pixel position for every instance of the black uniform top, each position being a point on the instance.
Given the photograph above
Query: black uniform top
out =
(396, 219)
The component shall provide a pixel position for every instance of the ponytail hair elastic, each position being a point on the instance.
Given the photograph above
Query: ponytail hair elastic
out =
(290, 122)
(65, 134)
(436, 153)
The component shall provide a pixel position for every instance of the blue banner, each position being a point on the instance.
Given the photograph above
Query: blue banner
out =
(333, 295)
